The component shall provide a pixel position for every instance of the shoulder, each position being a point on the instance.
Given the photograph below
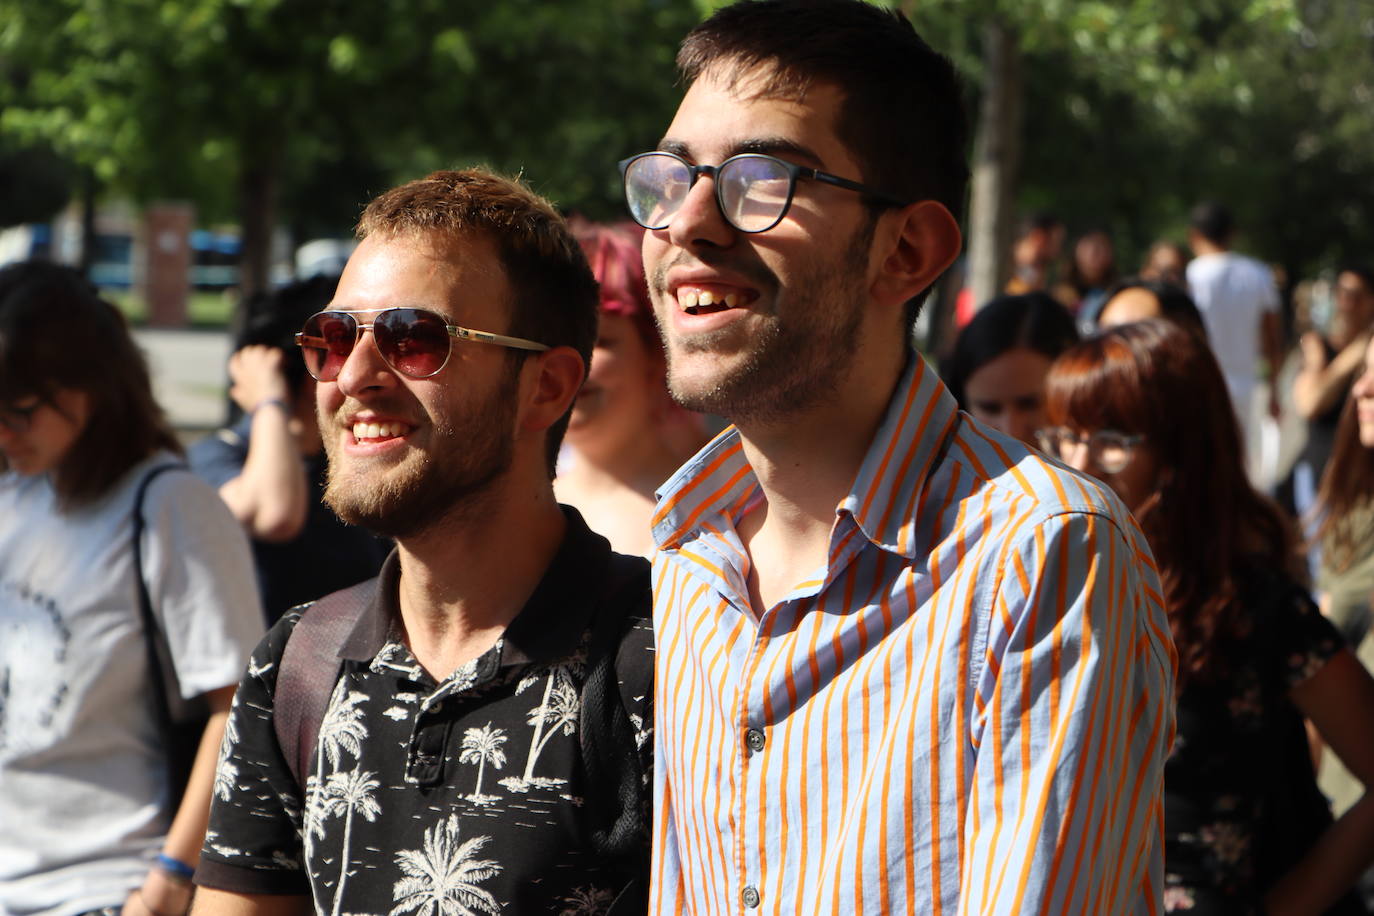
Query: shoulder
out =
(219, 457)
(987, 472)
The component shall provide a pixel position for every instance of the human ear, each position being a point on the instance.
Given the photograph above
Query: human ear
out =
(919, 242)
(549, 383)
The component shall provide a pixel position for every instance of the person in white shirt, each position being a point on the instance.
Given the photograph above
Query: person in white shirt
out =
(1240, 305)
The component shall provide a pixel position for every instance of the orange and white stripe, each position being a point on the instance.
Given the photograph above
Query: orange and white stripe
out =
(966, 710)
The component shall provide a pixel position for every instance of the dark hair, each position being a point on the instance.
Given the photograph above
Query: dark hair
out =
(554, 293)
(1363, 271)
(1033, 320)
(277, 315)
(1347, 484)
(1074, 275)
(57, 334)
(1174, 304)
(1038, 221)
(1207, 527)
(903, 115)
(1213, 221)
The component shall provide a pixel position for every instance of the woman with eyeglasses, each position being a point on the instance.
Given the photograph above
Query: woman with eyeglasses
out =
(1144, 408)
(90, 818)
(625, 436)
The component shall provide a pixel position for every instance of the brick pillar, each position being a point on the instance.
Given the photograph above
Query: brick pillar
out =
(166, 261)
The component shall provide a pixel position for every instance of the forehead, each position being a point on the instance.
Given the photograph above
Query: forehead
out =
(727, 111)
(455, 276)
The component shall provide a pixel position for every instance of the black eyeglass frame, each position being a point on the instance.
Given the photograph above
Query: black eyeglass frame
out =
(793, 170)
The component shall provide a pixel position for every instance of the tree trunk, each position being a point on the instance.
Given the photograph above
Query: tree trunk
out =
(996, 157)
(258, 186)
(85, 258)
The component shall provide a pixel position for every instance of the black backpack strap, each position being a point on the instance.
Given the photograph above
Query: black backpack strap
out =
(309, 669)
(617, 674)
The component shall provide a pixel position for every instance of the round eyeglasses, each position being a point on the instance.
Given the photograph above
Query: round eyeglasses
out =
(414, 342)
(753, 191)
(1110, 451)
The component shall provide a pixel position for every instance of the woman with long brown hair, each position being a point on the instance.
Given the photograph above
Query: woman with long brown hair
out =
(1144, 408)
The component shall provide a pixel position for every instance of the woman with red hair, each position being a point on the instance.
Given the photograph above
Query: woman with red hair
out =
(626, 435)
(1144, 408)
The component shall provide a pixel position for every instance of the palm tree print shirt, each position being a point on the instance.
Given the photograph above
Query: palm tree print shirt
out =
(459, 797)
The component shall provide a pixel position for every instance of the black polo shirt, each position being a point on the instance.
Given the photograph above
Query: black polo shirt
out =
(430, 797)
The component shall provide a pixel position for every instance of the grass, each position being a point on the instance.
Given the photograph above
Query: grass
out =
(207, 310)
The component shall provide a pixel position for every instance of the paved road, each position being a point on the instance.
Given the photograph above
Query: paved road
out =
(188, 376)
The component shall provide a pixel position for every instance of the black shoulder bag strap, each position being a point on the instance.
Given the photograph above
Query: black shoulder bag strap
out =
(308, 671)
(181, 741)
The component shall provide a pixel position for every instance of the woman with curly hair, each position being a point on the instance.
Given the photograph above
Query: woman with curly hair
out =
(1144, 408)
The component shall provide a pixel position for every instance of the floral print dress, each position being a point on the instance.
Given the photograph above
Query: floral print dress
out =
(1240, 799)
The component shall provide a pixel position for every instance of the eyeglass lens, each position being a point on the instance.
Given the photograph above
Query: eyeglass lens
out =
(1107, 449)
(753, 191)
(414, 342)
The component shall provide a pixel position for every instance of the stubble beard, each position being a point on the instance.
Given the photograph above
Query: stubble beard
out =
(790, 366)
(447, 484)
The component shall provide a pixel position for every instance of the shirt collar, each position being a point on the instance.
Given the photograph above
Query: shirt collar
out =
(551, 624)
(714, 487)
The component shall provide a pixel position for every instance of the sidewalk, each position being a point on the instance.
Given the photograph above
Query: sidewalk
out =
(188, 369)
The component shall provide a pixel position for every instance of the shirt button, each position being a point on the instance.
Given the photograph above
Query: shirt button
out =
(749, 897)
(754, 739)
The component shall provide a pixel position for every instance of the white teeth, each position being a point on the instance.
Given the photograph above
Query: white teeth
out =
(706, 297)
(731, 300)
(363, 430)
(687, 298)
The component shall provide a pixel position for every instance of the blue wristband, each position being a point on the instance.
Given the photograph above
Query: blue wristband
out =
(175, 867)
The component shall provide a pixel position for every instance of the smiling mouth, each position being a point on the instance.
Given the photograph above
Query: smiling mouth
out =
(696, 301)
(374, 432)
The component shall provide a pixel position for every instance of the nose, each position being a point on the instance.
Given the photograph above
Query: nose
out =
(364, 369)
(699, 220)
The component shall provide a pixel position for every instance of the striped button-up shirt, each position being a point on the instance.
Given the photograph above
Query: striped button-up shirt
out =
(965, 710)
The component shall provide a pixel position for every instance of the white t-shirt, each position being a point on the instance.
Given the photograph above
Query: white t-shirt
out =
(83, 806)
(1232, 292)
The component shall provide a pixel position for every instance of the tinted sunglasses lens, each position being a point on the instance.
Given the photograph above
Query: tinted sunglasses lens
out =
(413, 341)
(326, 340)
(754, 192)
(655, 187)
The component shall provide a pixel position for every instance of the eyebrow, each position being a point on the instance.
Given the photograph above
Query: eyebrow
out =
(782, 147)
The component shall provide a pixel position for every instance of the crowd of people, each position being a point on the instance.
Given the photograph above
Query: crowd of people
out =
(469, 612)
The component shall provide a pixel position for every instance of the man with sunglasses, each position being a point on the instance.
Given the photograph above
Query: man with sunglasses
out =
(909, 665)
(474, 731)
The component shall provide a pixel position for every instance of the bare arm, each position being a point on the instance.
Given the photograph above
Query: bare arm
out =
(161, 893)
(1339, 700)
(211, 902)
(269, 497)
(1319, 385)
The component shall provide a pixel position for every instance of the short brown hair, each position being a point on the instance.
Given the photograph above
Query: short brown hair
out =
(57, 334)
(554, 293)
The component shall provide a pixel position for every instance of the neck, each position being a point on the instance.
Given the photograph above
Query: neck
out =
(1203, 246)
(806, 463)
(639, 464)
(465, 579)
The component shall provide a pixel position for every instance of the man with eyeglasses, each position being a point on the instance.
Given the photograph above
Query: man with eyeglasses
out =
(906, 664)
(469, 731)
